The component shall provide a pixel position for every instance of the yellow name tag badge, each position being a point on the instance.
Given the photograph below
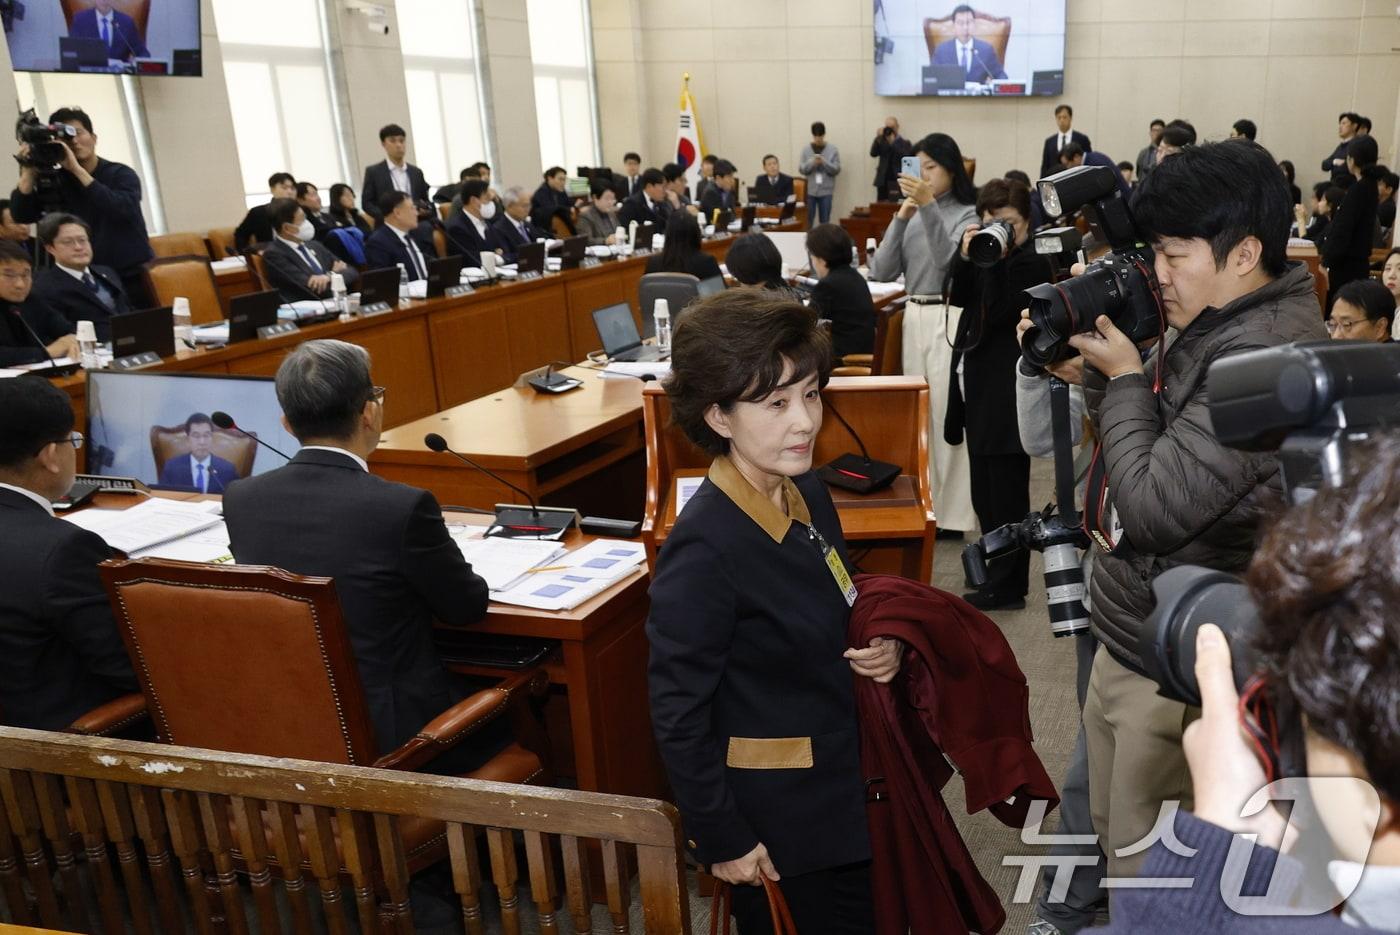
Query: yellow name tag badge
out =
(843, 578)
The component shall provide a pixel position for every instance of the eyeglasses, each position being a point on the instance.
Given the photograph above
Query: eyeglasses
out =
(17, 275)
(73, 438)
(1341, 325)
(72, 242)
(376, 393)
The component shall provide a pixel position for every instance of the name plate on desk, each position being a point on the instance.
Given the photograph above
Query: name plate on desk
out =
(533, 274)
(275, 330)
(452, 292)
(375, 308)
(136, 361)
(589, 262)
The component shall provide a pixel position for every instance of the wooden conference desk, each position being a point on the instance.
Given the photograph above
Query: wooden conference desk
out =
(599, 724)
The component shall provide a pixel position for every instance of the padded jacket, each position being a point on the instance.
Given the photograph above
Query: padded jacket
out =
(1182, 497)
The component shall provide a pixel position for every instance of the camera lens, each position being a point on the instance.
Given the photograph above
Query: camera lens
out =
(1188, 597)
(990, 244)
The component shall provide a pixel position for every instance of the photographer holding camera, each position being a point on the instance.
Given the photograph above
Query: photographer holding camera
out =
(1328, 643)
(106, 195)
(1168, 493)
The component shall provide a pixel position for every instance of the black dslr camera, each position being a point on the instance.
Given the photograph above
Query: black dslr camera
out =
(1312, 403)
(45, 150)
(1120, 284)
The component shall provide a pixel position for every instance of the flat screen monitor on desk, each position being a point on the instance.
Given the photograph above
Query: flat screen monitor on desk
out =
(443, 273)
(571, 252)
(137, 427)
(379, 285)
(530, 257)
(78, 54)
(247, 313)
(151, 329)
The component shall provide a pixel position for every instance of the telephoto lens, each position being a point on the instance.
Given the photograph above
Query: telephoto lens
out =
(1064, 590)
(991, 243)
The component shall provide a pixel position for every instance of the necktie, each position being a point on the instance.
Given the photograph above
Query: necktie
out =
(524, 234)
(89, 281)
(310, 260)
(106, 36)
(203, 482)
(417, 260)
(964, 59)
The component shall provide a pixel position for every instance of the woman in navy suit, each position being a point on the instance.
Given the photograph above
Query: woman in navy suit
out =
(750, 678)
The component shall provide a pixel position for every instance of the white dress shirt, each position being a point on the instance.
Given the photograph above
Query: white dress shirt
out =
(302, 251)
(364, 466)
(37, 498)
(399, 175)
(413, 251)
(194, 473)
(477, 222)
(965, 58)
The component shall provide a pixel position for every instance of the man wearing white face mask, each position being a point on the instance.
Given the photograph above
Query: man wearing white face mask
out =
(469, 230)
(297, 265)
(513, 228)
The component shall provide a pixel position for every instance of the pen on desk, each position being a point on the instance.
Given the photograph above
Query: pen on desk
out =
(536, 571)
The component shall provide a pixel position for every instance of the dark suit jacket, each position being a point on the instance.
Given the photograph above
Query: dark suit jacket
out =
(1339, 171)
(17, 345)
(256, 225)
(111, 205)
(635, 209)
(888, 152)
(767, 193)
(395, 570)
(844, 298)
(124, 44)
(716, 197)
(378, 181)
(545, 203)
(60, 653)
(383, 248)
(463, 239)
(177, 472)
(984, 67)
(504, 235)
(625, 187)
(76, 302)
(1349, 236)
(287, 271)
(1050, 155)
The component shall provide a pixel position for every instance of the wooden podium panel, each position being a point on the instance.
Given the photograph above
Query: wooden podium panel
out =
(537, 327)
(583, 294)
(468, 351)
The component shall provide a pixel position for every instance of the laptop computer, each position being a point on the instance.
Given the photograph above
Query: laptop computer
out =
(186, 62)
(708, 287)
(645, 232)
(247, 313)
(1050, 82)
(938, 78)
(572, 251)
(789, 211)
(530, 258)
(617, 329)
(443, 274)
(379, 285)
(151, 329)
(77, 54)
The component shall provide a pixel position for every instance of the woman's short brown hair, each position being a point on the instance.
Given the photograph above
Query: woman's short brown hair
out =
(733, 347)
(1004, 193)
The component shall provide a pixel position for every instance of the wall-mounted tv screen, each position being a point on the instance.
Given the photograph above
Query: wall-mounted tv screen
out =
(995, 48)
(135, 37)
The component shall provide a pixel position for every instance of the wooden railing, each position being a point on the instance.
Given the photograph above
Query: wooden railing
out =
(104, 835)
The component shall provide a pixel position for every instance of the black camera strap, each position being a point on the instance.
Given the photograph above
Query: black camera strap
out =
(1064, 450)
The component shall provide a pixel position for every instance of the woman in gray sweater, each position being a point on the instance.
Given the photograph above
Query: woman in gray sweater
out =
(920, 242)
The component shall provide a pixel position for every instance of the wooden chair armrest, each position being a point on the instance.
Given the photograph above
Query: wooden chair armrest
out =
(463, 719)
(107, 719)
(850, 371)
(858, 360)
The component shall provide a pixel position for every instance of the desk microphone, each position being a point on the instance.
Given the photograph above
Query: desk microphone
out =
(14, 310)
(225, 421)
(535, 522)
(861, 474)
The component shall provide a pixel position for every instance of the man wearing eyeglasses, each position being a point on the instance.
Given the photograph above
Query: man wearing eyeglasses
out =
(60, 653)
(30, 332)
(74, 286)
(385, 544)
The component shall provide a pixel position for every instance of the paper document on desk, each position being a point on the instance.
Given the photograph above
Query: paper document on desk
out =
(228, 263)
(211, 334)
(155, 522)
(305, 308)
(46, 364)
(577, 576)
(636, 369)
(685, 489)
(879, 291)
(500, 561)
(209, 545)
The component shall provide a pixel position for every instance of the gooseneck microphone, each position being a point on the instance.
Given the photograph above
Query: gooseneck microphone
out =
(536, 522)
(225, 421)
(19, 316)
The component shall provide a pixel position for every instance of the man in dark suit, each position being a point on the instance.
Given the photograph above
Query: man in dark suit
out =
(256, 226)
(397, 241)
(629, 183)
(648, 204)
(30, 332)
(116, 30)
(889, 148)
(1348, 125)
(720, 194)
(513, 228)
(772, 187)
(201, 469)
(1050, 155)
(550, 200)
(73, 286)
(977, 58)
(298, 266)
(469, 231)
(385, 544)
(395, 173)
(12, 230)
(60, 653)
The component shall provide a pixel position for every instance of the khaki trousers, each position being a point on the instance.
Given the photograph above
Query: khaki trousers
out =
(928, 354)
(1135, 758)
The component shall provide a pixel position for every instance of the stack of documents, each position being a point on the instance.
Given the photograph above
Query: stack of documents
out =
(145, 528)
(544, 575)
(636, 369)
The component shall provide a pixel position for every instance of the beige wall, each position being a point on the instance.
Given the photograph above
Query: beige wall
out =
(509, 91)
(374, 89)
(763, 70)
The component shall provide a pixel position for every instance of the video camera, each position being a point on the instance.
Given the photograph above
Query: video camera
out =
(1120, 284)
(1312, 403)
(45, 148)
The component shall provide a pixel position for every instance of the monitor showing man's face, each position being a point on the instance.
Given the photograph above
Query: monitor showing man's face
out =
(962, 26)
(201, 436)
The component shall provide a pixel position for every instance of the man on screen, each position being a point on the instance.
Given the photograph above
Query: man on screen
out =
(976, 58)
(117, 31)
(201, 469)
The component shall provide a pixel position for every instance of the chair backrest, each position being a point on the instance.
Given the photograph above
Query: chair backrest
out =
(561, 227)
(678, 289)
(138, 10)
(445, 210)
(799, 188)
(888, 357)
(440, 242)
(170, 441)
(188, 276)
(970, 165)
(222, 243)
(992, 29)
(259, 267)
(242, 658)
(185, 244)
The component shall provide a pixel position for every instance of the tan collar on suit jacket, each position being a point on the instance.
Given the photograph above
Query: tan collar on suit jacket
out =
(724, 475)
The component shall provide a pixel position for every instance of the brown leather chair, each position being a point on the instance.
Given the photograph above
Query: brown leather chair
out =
(187, 244)
(170, 441)
(138, 10)
(251, 659)
(258, 265)
(888, 358)
(188, 276)
(222, 243)
(799, 189)
(440, 242)
(970, 164)
(445, 210)
(992, 29)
